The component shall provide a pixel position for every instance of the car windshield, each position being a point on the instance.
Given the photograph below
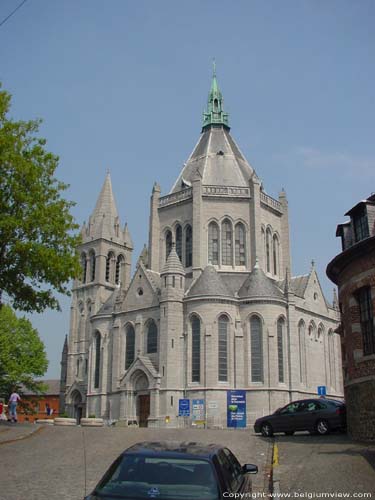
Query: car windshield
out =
(164, 478)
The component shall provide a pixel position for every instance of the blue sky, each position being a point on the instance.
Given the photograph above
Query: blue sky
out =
(122, 85)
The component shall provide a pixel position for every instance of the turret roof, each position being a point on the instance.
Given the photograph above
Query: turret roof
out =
(173, 264)
(209, 283)
(257, 284)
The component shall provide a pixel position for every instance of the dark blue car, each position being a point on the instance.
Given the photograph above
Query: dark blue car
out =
(174, 471)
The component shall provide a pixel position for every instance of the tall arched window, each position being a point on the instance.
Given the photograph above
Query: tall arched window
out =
(130, 346)
(302, 351)
(223, 348)
(119, 265)
(168, 244)
(152, 338)
(256, 338)
(268, 251)
(108, 266)
(188, 246)
(179, 242)
(275, 252)
(92, 265)
(239, 242)
(213, 244)
(84, 267)
(195, 349)
(280, 348)
(226, 243)
(97, 360)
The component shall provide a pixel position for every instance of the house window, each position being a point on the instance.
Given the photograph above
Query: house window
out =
(360, 224)
(213, 244)
(97, 360)
(239, 242)
(84, 267)
(256, 338)
(226, 243)
(152, 338)
(367, 320)
(119, 266)
(188, 246)
(223, 349)
(280, 348)
(130, 346)
(168, 244)
(92, 265)
(179, 242)
(195, 349)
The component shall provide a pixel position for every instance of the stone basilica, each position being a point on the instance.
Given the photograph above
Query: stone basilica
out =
(211, 307)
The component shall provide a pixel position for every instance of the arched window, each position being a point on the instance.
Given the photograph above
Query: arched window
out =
(280, 348)
(92, 265)
(256, 338)
(320, 332)
(130, 346)
(188, 246)
(275, 251)
(239, 243)
(226, 243)
(168, 244)
(312, 330)
(84, 267)
(195, 349)
(152, 338)
(119, 265)
(108, 266)
(268, 251)
(213, 244)
(97, 360)
(179, 242)
(302, 351)
(223, 348)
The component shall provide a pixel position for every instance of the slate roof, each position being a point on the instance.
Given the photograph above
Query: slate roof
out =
(173, 263)
(209, 283)
(108, 306)
(217, 159)
(298, 284)
(52, 390)
(257, 284)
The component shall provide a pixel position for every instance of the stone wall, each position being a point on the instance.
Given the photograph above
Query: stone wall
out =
(360, 400)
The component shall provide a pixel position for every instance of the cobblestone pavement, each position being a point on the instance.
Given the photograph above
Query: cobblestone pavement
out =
(50, 463)
(324, 464)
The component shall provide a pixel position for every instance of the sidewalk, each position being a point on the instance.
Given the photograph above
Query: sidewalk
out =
(323, 464)
(10, 432)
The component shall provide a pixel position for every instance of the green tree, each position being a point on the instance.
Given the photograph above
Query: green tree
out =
(37, 232)
(22, 353)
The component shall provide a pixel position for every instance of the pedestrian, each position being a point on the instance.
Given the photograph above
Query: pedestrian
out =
(13, 401)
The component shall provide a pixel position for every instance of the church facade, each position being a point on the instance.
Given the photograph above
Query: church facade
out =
(211, 307)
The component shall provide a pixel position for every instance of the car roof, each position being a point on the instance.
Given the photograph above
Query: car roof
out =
(176, 449)
(328, 400)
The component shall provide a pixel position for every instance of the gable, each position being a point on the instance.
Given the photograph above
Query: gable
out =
(141, 292)
(314, 296)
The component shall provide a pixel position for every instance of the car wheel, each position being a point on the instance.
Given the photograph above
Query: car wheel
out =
(289, 433)
(266, 430)
(322, 427)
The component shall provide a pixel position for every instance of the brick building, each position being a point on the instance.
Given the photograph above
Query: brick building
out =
(35, 406)
(353, 271)
(212, 307)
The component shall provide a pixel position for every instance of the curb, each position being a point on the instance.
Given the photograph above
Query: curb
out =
(275, 476)
(22, 437)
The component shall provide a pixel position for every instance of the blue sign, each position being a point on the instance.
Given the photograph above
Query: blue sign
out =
(322, 390)
(184, 407)
(236, 408)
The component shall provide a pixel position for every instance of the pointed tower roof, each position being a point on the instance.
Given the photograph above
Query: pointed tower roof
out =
(209, 283)
(173, 264)
(216, 158)
(257, 284)
(104, 221)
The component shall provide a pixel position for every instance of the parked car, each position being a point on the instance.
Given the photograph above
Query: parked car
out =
(315, 415)
(174, 471)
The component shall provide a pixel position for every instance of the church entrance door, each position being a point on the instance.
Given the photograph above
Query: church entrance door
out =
(143, 409)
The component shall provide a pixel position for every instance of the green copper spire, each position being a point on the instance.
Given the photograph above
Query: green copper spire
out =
(215, 113)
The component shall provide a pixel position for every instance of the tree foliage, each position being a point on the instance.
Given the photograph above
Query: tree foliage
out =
(37, 231)
(22, 353)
